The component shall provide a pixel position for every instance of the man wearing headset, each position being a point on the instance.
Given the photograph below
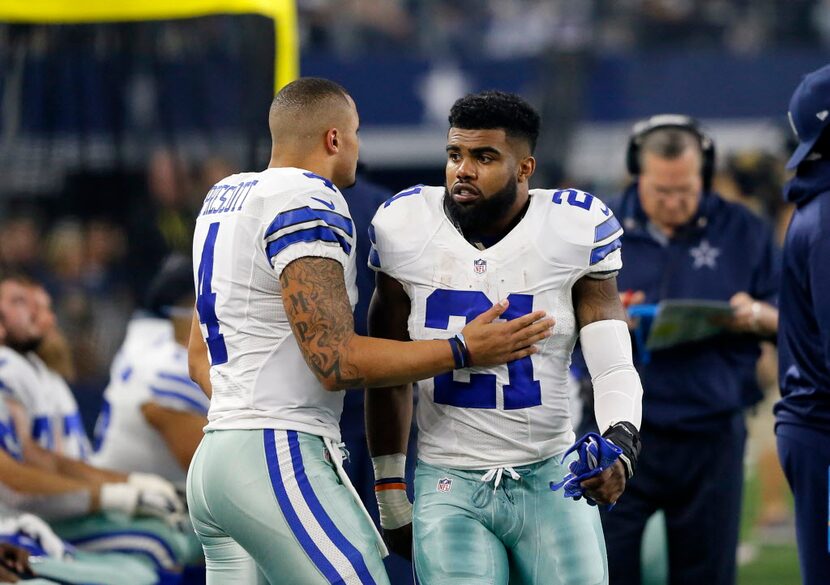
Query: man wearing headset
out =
(682, 241)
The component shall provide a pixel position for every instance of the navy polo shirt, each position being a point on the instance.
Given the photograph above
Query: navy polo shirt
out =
(723, 250)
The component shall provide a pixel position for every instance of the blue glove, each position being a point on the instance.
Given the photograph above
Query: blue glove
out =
(595, 456)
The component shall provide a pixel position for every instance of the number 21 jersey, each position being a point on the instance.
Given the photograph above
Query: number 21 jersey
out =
(518, 413)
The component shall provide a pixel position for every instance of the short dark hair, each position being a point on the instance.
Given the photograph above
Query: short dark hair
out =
(172, 285)
(18, 276)
(669, 143)
(307, 92)
(497, 110)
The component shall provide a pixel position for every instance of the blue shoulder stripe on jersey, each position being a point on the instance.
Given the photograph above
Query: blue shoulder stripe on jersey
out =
(411, 191)
(315, 234)
(601, 252)
(8, 439)
(607, 228)
(371, 231)
(374, 258)
(193, 403)
(73, 426)
(42, 432)
(304, 214)
(101, 426)
(72, 423)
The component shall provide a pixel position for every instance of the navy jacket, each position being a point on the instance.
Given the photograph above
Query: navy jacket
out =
(804, 326)
(725, 249)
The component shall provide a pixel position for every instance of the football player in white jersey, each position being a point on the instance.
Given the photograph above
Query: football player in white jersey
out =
(66, 428)
(491, 438)
(154, 413)
(84, 489)
(275, 278)
(27, 488)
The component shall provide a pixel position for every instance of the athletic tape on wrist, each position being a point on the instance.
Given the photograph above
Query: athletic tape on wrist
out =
(390, 491)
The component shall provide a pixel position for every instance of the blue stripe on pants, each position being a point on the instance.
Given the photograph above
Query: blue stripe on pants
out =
(323, 564)
(330, 528)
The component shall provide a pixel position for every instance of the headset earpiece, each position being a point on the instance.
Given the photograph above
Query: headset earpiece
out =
(644, 127)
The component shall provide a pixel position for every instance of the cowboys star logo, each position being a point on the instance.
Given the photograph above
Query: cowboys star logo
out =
(705, 255)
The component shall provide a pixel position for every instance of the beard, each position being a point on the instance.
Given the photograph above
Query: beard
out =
(23, 346)
(479, 217)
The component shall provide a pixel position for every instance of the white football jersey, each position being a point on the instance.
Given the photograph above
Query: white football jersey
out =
(251, 226)
(67, 426)
(8, 434)
(127, 442)
(519, 413)
(144, 332)
(20, 381)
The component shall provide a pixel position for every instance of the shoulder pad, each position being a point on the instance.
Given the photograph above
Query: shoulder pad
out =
(398, 229)
(312, 218)
(583, 225)
(18, 379)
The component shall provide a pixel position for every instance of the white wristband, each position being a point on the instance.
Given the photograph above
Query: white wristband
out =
(119, 497)
(390, 491)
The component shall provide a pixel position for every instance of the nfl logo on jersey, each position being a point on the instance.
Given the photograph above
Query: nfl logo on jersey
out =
(444, 484)
(480, 266)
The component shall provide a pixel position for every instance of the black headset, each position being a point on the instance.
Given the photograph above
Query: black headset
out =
(645, 127)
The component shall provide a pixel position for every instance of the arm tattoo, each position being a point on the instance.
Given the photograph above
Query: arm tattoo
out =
(321, 317)
(597, 300)
(299, 302)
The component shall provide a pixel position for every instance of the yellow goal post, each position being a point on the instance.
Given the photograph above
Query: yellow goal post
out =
(283, 13)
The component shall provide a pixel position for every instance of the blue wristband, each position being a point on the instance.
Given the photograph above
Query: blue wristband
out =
(466, 362)
(457, 354)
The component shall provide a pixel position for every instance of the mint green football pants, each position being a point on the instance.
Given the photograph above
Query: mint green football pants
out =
(465, 533)
(86, 568)
(165, 548)
(270, 507)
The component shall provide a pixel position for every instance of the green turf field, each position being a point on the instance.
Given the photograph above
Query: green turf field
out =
(774, 565)
(771, 564)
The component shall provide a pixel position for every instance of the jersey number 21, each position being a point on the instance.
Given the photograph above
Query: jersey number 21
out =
(522, 391)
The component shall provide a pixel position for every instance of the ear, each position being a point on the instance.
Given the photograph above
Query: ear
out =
(527, 166)
(332, 141)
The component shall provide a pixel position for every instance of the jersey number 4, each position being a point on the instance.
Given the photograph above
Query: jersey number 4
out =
(206, 300)
(522, 391)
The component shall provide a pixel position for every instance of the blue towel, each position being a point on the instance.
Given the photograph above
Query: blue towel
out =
(595, 456)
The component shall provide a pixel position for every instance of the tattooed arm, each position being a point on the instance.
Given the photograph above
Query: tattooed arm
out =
(317, 306)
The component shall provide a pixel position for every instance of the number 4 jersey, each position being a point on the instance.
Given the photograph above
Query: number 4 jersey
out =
(251, 226)
(479, 418)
